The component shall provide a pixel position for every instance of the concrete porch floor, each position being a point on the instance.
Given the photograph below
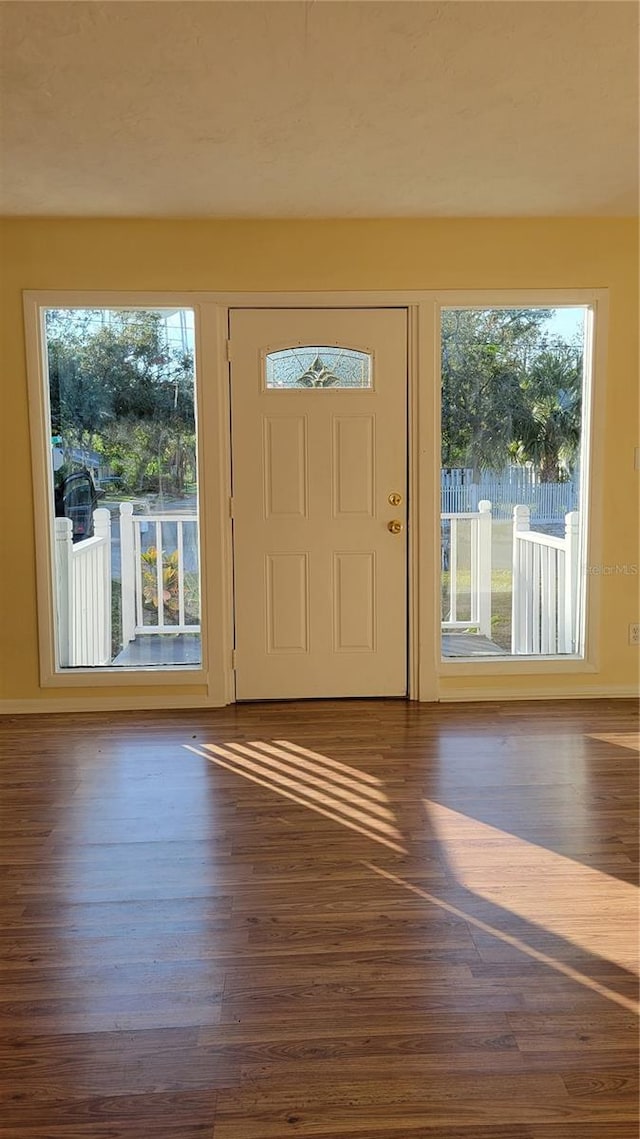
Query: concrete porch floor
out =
(167, 649)
(171, 649)
(469, 645)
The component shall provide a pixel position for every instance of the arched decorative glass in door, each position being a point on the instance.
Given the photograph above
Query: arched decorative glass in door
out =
(319, 367)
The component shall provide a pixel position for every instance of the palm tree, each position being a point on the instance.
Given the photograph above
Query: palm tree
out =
(548, 433)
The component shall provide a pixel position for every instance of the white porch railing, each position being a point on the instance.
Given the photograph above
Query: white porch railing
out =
(83, 593)
(479, 524)
(545, 597)
(134, 577)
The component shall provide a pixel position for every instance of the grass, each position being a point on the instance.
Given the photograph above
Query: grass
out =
(116, 619)
(500, 602)
(192, 598)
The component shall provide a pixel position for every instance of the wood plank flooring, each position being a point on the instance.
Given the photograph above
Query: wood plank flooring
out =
(340, 920)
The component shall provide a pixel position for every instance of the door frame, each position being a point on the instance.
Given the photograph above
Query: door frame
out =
(423, 472)
(213, 684)
(359, 327)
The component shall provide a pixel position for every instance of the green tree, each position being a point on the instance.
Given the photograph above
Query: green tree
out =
(509, 392)
(549, 433)
(484, 352)
(119, 387)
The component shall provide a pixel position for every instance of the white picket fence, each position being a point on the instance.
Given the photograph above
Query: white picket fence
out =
(515, 486)
(83, 593)
(138, 618)
(545, 587)
(478, 525)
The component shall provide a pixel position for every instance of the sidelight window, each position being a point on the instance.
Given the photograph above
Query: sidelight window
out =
(513, 507)
(120, 388)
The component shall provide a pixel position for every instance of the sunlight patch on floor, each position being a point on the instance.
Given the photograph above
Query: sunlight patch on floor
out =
(620, 739)
(578, 903)
(555, 894)
(517, 943)
(312, 780)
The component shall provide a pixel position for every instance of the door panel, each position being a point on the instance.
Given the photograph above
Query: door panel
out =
(285, 466)
(319, 444)
(354, 592)
(287, 603)
(353, 465)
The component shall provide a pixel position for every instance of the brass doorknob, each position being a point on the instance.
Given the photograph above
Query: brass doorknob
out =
(395, 526)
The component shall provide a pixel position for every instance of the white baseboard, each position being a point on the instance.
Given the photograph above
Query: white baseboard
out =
(468, 694)
(578, 692)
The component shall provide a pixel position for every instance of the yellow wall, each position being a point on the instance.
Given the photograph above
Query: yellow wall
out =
(291, 255)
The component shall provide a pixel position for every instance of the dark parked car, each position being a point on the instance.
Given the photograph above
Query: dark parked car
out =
(77, 496)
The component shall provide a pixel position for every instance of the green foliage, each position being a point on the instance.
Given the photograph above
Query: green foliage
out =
(509, 392)
(116, 618)
(120, 388)
(169, 581)
(550, 434)
(169, 587)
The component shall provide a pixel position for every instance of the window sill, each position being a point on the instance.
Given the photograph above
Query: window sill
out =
(513, 666)
(126, 677)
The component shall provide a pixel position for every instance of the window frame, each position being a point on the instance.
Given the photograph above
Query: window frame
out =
(430, 678)
(592, 471)
(208, 681)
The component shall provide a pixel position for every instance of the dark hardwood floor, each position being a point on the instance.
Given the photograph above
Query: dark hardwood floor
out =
(345, 920)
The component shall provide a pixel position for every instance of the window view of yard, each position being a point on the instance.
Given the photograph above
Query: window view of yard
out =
(124, 466)
(512, 391)
(123, 453)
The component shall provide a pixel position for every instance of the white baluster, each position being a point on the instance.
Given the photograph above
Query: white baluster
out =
(180, 547)
(102, 530)
(453, 568)
(137, 565)
(484, 567)
(127, 573)
(533, 593)
(521, 524)
(159, 574)
(572, 579)
(474, 583)
(64, 609)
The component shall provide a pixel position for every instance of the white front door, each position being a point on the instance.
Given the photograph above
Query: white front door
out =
(319, 429)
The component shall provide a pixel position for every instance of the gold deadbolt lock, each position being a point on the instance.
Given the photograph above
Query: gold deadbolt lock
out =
(395, 526)
(395, 499)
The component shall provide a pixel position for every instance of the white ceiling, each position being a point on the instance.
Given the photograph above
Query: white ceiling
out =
(320, 109)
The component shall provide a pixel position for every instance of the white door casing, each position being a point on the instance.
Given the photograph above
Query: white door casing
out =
(320, 579)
